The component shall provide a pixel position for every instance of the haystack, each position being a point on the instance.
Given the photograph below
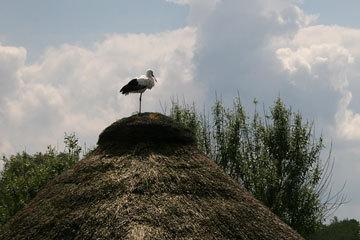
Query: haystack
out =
(145, 180)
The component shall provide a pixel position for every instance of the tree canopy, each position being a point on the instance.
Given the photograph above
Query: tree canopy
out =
(276, 157)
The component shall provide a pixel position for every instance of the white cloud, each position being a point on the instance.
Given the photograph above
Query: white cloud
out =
(11, 60)
(5, 147)
(183, 2)
(77, 89)
(247, 46)
(324, 61)
(199, 9)
(330, 58)
(235, 47)
(348, 122)
(286, 13)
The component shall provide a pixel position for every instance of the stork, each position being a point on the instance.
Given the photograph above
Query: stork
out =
(139, 85)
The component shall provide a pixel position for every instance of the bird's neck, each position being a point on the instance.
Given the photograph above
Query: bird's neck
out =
(152, 82)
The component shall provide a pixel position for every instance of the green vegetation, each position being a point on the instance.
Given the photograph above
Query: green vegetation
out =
(276, 158)
(24, 175)
(338, 230)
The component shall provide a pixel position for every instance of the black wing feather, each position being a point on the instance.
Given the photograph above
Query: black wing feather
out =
(133, 85)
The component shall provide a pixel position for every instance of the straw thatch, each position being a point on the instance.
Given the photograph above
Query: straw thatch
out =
(152, 185)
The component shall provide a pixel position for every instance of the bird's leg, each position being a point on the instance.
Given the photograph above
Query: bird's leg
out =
(140, 103)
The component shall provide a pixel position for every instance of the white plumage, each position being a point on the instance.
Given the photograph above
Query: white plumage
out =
(139, 85)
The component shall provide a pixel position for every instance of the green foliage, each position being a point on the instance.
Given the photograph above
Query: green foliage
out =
(276, 158)
(338, 230)
(197, 123)
(24, 175)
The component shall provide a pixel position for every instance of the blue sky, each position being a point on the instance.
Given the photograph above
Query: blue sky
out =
(63, 62)
(39, 24)
(344, 13)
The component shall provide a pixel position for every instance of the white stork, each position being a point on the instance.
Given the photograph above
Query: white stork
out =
(139, 85)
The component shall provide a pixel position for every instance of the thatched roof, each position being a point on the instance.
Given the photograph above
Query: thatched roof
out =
(152, 185)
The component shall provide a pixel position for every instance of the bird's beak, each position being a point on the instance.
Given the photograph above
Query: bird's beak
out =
(155, 78)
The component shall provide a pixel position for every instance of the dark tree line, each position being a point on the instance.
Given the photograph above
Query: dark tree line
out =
(276, 157)
(338, 230)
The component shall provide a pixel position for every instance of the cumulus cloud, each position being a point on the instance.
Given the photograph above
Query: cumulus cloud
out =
(267, 49)
(325, 62)
(183, 2)
(73, 88)
(199, 9)
(236, 47)
(11, 60)
(348, 121)
(326, 58)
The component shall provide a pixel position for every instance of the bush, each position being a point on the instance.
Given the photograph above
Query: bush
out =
(24, 175)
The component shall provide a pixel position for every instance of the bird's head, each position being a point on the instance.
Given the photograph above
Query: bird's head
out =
(150, 74)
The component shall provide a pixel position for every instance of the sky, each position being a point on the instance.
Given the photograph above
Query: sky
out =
(62, 64)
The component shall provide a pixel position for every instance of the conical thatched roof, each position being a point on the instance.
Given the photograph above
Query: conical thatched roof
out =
(152, 185)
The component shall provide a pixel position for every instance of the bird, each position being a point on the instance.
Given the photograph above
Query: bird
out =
(139, 85)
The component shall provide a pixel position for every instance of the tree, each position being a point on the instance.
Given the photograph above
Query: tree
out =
(338, 230)
(24, 175)
(276, 158)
